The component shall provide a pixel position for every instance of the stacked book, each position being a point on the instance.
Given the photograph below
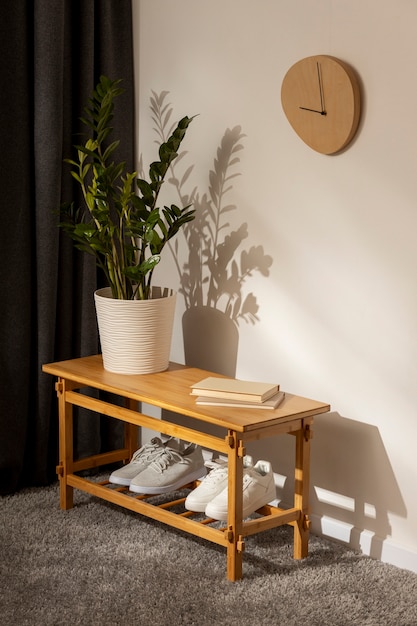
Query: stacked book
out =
(213, 391)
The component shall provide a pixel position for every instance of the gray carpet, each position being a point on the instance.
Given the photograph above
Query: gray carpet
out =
(100, 565)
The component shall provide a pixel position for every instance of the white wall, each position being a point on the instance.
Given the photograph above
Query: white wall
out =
(337, 314)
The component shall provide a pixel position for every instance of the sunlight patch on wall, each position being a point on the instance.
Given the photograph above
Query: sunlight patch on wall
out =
(344, 502)
(335, 499)
(369, 510)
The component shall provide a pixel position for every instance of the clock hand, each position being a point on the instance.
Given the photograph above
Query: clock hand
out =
(313, 110)
(322, 111)
(321, 89)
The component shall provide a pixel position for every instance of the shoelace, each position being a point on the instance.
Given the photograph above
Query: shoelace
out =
(219, 469)
(216, 475)
(166, 458)
(251, 475)
(247, 479)
(215, 464)
(146, 452)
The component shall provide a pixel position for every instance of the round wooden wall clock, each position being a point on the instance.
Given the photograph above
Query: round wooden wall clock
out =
(320, 96)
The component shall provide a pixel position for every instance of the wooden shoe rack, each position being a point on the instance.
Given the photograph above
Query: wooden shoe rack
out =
(170, 391)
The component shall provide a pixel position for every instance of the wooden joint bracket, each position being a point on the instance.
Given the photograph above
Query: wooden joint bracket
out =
(59, 387)
(308, 433)
(60, 470)
(230, 537)
(306, 522)
(230, 441)
(241, 451)
(240, 544)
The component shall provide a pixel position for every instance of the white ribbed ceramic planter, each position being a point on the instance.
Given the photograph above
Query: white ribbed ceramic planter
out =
(135, 335)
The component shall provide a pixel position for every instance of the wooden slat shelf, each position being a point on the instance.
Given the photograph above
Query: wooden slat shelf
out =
(149, 510)
(270, 516)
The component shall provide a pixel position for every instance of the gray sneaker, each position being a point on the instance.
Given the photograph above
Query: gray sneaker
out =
(139, 461)
(170, 470)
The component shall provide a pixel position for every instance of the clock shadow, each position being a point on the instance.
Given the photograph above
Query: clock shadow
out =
(362, 104)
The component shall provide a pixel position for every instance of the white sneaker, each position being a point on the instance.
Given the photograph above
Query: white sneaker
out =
(141, 459)
(212, 485)
(170, 470)
(258, 489)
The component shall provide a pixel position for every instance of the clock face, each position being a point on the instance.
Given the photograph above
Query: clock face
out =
(321, 98)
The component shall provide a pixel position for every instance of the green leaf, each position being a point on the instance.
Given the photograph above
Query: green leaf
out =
(120, 221)
(77, 177)
(110, 149)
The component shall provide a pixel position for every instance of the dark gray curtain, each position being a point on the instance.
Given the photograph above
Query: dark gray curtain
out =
(52, 53)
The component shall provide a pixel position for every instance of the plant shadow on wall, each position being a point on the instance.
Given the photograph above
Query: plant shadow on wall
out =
(213, 277)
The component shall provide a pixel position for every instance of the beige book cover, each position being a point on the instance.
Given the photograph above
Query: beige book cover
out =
(271, 403)
(233, 388)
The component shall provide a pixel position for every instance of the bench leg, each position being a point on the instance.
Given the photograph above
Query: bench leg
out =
(235, 544)
(301, 490)
(66, 453)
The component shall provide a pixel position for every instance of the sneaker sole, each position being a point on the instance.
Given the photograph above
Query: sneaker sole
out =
(120, 481)
(156, 490)
(259, 503)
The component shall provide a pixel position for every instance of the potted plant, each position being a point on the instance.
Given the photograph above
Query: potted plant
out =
(122, 226)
